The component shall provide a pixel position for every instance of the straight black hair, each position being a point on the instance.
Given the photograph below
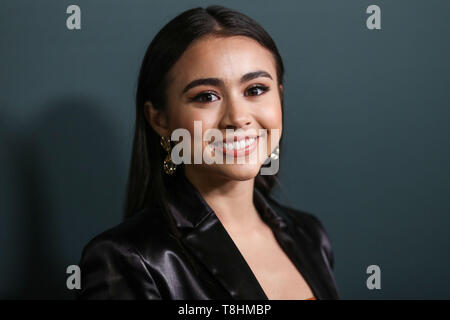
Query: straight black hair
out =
(147, 183)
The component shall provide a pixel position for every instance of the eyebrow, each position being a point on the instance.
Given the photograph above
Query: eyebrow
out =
(218, 82)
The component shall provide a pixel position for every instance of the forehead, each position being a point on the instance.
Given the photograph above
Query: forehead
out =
(227, 58)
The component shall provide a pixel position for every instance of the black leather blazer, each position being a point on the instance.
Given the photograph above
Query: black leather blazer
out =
(142, 258)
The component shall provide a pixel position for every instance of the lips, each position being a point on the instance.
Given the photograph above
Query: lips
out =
(238, 147)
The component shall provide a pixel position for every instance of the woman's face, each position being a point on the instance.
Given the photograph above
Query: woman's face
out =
(242, 94)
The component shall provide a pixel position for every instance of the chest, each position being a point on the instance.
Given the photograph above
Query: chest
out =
(275, 272)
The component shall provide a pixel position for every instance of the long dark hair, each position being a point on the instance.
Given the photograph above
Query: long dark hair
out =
(147, 183)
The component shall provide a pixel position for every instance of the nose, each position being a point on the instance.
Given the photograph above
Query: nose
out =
(236, 114)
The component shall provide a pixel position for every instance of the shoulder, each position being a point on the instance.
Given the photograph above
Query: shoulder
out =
(309, 225)
(307, 221)
(116, 263)
(145, 228)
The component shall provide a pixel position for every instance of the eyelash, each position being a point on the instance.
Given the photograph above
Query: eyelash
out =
(203, 94)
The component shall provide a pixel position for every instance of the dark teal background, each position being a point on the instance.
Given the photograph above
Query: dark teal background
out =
(366, 133)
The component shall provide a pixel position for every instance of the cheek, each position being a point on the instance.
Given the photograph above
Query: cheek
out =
(270, 116)
(185, 117)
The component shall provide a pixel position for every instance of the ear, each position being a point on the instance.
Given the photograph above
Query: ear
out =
(157, 119)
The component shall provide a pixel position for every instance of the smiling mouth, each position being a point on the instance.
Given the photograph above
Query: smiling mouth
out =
(237, 148)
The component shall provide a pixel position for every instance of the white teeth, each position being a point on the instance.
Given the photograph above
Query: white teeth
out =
(249, 141)
(235, 145)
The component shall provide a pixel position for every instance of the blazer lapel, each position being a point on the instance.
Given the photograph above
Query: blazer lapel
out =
(205, 237)
(212, 245)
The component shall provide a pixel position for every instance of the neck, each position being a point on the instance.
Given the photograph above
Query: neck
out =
(231, 200)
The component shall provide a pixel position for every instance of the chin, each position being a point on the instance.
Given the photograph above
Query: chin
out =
(240, 172)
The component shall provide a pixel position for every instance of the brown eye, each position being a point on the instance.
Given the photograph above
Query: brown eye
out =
(256, 90)
(205, 97)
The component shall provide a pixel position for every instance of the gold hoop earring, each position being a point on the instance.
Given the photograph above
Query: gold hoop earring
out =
(168, 165)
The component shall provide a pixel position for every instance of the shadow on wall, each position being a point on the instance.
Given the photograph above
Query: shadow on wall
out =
(64, 185)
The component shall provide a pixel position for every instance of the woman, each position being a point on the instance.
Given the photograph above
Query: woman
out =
(208, 230)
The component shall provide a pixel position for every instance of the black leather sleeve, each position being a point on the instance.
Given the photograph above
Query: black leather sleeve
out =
(110, 270)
